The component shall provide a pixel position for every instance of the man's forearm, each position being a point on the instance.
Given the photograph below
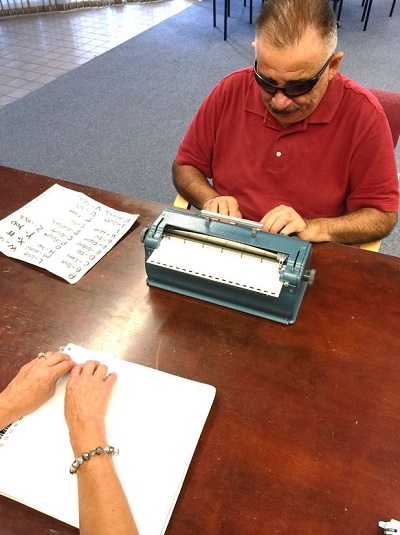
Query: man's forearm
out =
(192, 185)
(361, 226)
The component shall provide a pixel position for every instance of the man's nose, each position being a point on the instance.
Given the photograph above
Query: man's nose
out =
(281, 101)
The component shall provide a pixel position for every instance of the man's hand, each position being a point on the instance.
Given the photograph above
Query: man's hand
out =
(223, 205)
(284, 220)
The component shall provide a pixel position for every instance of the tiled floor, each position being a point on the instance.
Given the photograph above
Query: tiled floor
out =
(36, 49)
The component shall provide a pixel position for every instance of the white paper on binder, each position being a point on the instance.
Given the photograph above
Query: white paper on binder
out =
(154, 418)
(220, 264)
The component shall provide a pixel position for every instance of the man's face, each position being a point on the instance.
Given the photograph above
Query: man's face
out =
(283, 66)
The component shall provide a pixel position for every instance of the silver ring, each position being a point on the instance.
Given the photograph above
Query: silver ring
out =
(41, 355)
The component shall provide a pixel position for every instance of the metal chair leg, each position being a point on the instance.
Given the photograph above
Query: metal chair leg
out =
(340, 10)
(366, 12)
(227, 13)
(337, 3)
(364, 5)
(226, 8)
(215, 13)
(392, 9)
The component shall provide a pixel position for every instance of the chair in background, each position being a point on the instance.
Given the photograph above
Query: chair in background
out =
(181, 202)
(227, 13)
(367, 4)
(337, 3)
(390, 102)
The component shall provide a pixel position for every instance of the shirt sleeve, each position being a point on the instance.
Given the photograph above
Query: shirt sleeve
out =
(373, 180)
(197, 146)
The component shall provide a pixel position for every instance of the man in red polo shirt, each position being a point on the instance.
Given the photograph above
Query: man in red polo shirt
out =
(291, 142)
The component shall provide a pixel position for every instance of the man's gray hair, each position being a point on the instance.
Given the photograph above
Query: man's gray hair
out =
(284, 22)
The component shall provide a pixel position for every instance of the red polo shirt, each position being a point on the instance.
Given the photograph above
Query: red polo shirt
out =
(337, 160)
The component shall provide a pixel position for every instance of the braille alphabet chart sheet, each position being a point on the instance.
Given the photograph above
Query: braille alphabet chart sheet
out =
(63, 231)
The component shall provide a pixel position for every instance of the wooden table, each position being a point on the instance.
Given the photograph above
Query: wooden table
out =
(304, 433)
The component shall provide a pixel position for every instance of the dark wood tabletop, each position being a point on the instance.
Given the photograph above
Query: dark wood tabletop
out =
(304, 433)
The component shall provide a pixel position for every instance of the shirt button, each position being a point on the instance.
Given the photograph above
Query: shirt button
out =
(279, 154)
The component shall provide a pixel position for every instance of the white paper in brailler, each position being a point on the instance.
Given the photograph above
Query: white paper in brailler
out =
(63, 231)
(220, 264)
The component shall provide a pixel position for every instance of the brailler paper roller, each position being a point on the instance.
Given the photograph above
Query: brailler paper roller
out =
(228, 261)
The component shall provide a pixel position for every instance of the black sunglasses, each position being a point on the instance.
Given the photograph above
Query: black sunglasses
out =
(296, 89)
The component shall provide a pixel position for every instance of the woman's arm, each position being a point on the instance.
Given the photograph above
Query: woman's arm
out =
(32, 386)
(103, 506)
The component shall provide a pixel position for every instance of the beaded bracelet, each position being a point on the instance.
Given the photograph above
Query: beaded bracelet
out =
(87, 455)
